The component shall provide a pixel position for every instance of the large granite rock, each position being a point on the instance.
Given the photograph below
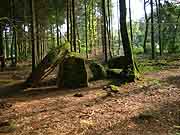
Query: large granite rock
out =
(72, 73)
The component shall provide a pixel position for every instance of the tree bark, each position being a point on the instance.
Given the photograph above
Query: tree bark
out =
(57, 28)
(152, 30)
(86, 37)
(74, 25)
(130, 22)
(67, 18)
(124, 35)
(147, 27)
(33, 34)
(104, 30)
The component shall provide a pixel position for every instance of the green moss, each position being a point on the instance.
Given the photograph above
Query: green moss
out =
(78, 55)
(114, 73)
(120, 62)
(97, 70)
(5, 81)
(114, 88)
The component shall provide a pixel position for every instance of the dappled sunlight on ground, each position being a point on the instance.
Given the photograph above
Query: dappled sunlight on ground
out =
(149, 106)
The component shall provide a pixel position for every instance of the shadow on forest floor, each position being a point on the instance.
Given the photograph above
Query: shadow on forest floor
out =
(166, 117)
(45, 89)
(173, 80)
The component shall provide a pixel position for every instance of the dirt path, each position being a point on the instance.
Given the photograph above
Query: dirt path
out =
(150, 106)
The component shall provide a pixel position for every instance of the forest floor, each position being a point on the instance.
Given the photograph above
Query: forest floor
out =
(149, 106)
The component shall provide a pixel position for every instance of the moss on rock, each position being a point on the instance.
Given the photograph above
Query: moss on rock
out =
(114, 73)
(124, 75)
(72, 73)
(97, 70)
(120, 62)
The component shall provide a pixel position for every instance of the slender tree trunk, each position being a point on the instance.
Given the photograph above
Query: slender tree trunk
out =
(71, 23)
(159, 28)
(112, 36)
(119, 34)
(86, 34)
(93, 28)
(124, 34)
(175, 33)
(152, 30)
(14, 33)
(24, 29)
(1, 41)
(67, 8)
(78, 39)
(33, 34)
(7, 43)
(37, 40)
(57, 27)
(104, 30)
(74, 25)
(130, 22)
(147, 27)
(2, 60)
(11, 16)
(89, 30)
(52, 35)
(109, 27)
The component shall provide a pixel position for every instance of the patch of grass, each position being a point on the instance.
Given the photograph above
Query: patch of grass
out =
(144, 68)
(7, 127)
(155, 81)
(147, 65)
(5, 81)
(137, 50)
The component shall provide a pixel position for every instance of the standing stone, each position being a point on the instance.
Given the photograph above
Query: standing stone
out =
(72, 73)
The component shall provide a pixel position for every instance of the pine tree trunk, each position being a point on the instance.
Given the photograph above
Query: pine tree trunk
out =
(57, 27)
(146, 29)
(74, 25)
(109, 28)
(33, 34)
(67, 9)
(130, 22)
(1, 41)
(125, 39)
(152, 30)
(104, 30)
(86, 36)
(7, 43)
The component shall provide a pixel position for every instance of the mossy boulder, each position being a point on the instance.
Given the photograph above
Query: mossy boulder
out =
(119, 62)
(114, 73)
(125, 75)
(97, 71)
(73, 73)
(54, 57)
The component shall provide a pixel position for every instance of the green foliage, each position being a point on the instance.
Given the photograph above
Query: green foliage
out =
(114, 88)
(55, 51)
(148, 65)
(138, 50)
